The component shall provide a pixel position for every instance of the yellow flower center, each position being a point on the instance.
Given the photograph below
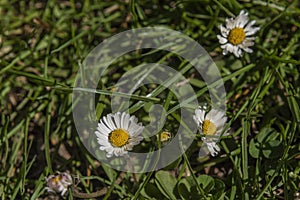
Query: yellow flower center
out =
(236, 36)
(208, 127)
(118, 137)
(165, 136)
(56, 180)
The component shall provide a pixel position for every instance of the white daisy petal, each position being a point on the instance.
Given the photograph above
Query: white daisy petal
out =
(213, 115)
(228, 47)
(222, 40)
(243, 22)
(224, 31)
(98, 134)
(108, 155)
(103, 129)
(108, 124)
(102, 148)
(219, 125)
(222, 121)
(102, 139)
(196, 120)
(230, 23)
(117, 120)
(247, 43)
(213, 148)
(249, 26)
(252, 31)
(220, 115)
(248, 50)
(234, 35)
(133, 127)
(124, 121)
(236, 51)
(200, 113)
(242, 19)
(139, 131)
(225, 52)
(111, 122)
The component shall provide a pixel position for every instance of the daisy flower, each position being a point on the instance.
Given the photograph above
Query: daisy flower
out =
(118, 133)
(59, 183)
(235, 35)
(210, 126)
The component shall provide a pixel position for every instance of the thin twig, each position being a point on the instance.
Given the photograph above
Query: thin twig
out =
(98, 193)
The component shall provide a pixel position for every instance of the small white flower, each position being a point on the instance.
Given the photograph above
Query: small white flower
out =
(235, 35)
(118, 133)
(59, 183)
(210, 126)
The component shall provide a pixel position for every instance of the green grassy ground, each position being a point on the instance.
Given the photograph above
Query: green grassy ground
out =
(42, 45)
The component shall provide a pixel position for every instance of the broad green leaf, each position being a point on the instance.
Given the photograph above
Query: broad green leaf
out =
(218, 190)
(150, 191)
(270, 167)
(254, 148)
(207, 182)
(166, 184)
(187, 189)
(273, 149)
(263, 134)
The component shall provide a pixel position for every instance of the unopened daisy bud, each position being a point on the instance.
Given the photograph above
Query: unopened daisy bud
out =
(235, 35)
(59, 183)
(164, 136)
